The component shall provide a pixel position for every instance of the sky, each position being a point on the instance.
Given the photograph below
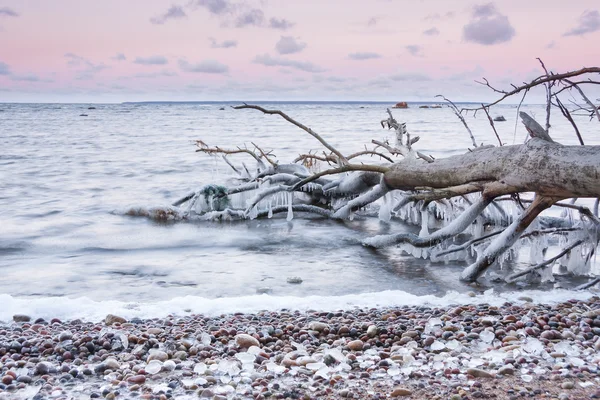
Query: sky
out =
(204, 50)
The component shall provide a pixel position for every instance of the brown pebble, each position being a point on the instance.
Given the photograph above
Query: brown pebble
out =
(355, 345)
(400, 391)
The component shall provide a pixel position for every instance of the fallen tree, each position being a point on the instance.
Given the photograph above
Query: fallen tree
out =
(454, 196)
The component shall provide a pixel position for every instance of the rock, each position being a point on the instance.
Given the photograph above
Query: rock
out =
(157, 355)
(91, 108)
(479, 373)
(264, 290)
(7, 379)
(400, 391)
(154, 331)
(113, 319)
(506, 370)
(206, 394)
(402, 104)
(21, 318)
(317, 326)
(246, 341)
(180, 355)
(525, 298)
(111, 363)
(83, 115)
(500, 118)
(66, 335)
(372, 331)
(567, 385)
(42, 368)
(355, 345)
(295, 280)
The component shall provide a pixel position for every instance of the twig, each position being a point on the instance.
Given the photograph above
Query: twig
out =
(588, 285)
(585, 98)
(459, 115)
(568, 116)
(548, 86)
(266, 157)
(492, 124)
(342, 159)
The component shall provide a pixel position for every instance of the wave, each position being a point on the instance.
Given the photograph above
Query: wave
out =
(86, 309)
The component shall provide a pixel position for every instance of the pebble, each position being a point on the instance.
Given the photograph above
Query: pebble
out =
(157, 355)
(114, 319)
(400, 391)
(567, 385)
(317, 326)
(479, 373)
(246, 341)
(355, 345)
(21, 318)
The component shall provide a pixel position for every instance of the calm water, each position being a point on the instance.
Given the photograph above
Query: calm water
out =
(63, 176)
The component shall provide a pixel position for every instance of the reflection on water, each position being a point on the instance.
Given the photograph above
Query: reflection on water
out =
(63, 176)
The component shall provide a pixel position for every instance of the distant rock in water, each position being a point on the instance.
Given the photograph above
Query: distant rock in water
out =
(222, 108)
(83, 115)
(500, 118)
(91, 108)
(436, 106)
(295, 280)
(424, 107)
(402, 104)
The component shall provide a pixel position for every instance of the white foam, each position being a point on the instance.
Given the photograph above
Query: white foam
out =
(86, 309)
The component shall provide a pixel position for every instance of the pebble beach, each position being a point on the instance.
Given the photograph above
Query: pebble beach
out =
(520, 350)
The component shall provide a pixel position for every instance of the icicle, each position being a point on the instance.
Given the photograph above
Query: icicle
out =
(424, 223)
(270, 214)
(290, 213)
(385, 209)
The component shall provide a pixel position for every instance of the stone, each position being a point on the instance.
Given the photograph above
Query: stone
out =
(317, 326)
(400, 391)
(154, 331)
(479, 373)
(567, 385)
(372, 331)
(295, 280)
(21, 318)
(401, 104)
(111, 363)
(157, 355)
(42, 368)
(355, 345)
(113, 319)
(499, 118)
(506, 370)
(246, 341)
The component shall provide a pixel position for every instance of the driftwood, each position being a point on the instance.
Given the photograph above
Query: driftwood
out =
(465, 194)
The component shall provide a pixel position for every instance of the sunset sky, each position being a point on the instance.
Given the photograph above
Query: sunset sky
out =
(135, 50)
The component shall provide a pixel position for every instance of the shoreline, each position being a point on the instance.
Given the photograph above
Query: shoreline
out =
(418, 351)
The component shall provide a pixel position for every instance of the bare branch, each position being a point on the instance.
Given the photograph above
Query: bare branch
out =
(459, 115)
(314, 134)
(567, 115)
(585, 98)
(492, 124)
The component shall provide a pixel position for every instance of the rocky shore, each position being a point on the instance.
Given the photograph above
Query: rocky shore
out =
(520, 350)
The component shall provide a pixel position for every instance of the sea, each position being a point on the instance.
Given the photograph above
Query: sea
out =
(68, 172)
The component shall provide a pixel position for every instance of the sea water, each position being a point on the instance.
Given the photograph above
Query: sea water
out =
(67, 171)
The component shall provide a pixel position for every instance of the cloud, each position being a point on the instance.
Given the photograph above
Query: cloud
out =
(269, 61)
(409, 76)
(438, 16)
(174, 12)
(373, 21)
(8, 12)
(87, 68)
(414, 50)
(488, 26)
(206, 67)
(589, 22)
(551, 45)
(151, 60)
(29, 78)
(363, 56)
(431, 32)
(145, 75)
(223, 45)
(119, 57)
(4, 69)
(280, 23)
(218, 7)
(252, 17)
(289, 45)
